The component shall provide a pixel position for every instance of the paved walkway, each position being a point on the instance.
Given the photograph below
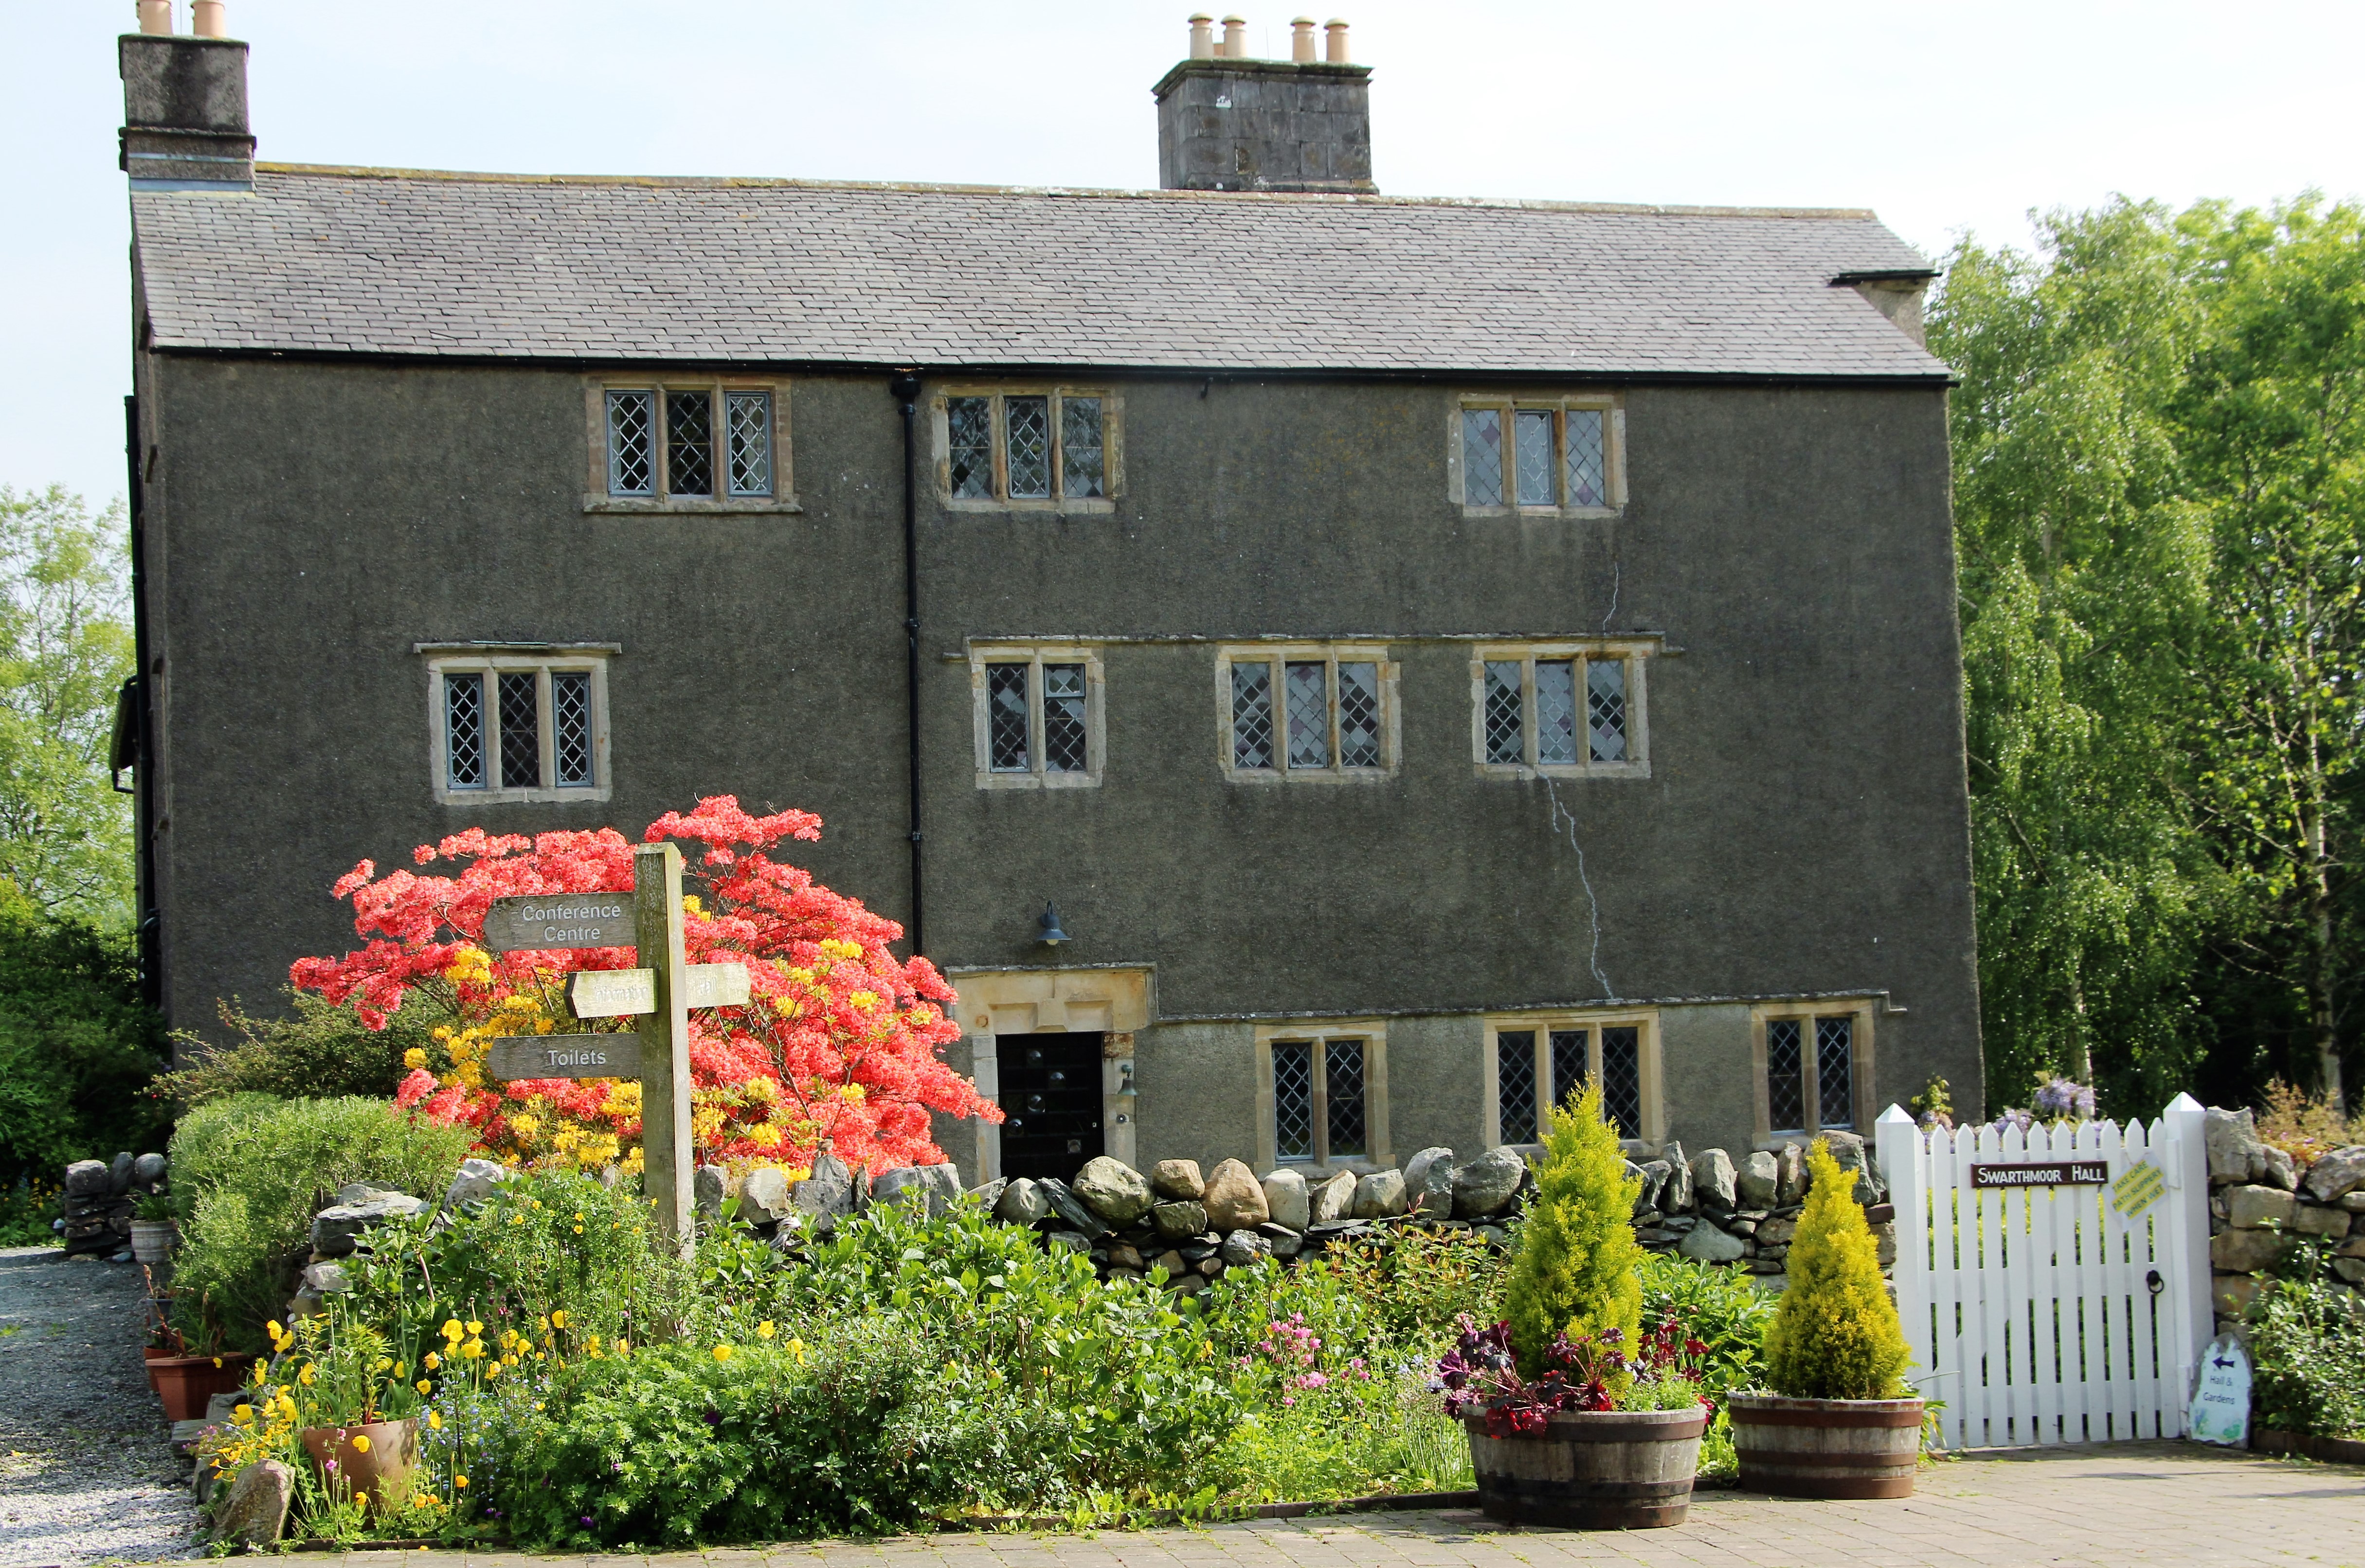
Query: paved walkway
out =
(2148, 1503)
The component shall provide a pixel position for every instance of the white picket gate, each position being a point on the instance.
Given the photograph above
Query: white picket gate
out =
(2041, 1313)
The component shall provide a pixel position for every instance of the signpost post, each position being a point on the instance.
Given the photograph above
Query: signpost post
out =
(660, 994)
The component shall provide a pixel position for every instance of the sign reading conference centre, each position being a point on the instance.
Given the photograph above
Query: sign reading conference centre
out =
(2069, 1173)
(559, 920)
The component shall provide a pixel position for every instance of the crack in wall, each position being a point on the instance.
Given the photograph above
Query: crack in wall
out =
(1559, 811)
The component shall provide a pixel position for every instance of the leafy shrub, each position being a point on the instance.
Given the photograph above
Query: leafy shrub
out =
(1836, 1335)
(323, 1050)
(2307, 1129)
(1419, 1283)
(1574, 1271)
(2308, 1341)
(26, 1210)
(256, 1170)
(1717, 1307)
(77, 1047)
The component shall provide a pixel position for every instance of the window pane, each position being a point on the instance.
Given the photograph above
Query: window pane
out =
(689, 443)
(1293, 1098)
(1514, 1085)
(1359, 715)
(463, 731)
(1588, 472)
(1568, 1066)
(570, 724)
(1481, 457)
(1557, 711)
(1604, 701)
(1029, 429)
(1252, 715)
(1504, 740)
(749, 417)
(521, 731)
(1835, 1072)
(1532, 452)
(1063, 719)
(632, 466)
(1005, 718)
(1309, 715)
(1342, 1094)
(1786, 1101)
(969, 426)
(1082, 471)
(1621, 1080)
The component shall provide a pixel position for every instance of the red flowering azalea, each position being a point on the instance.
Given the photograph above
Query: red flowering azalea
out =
(838, 1042)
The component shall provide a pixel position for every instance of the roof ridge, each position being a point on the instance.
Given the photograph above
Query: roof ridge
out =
(729, 181)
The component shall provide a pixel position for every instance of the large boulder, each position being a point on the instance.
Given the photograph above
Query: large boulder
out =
(256, 1510)
(148, 1169)
(1334, 1200)
(1022, 1202)
(1789, 1176)
(1485, 1186)
(1234, 1199)
(2245, 1252)
(118, 1172)
(1675, 1198)
(1287, 1200)
(1379, 1195)
(1242, 1247)
(2255, 1208)
(1757, 1184)
(2308, 1219)
(764, 1196)
(1712, 1182)
(905, 1185)
(338, 1228)
(1429, 1183)
(474, 1183)
(1179, 1220)
(1707, 1244)
(86, 1179)
(986, 1196)
(707, 1187)
(828, 1192)
(2337, 1175)
(2235, 1155)
(1069, 1209)
(1778, 1231)
(2281, 1171)
(1655, 1174)
(1178, 1181)
(944, 1186)
(1113, 1189)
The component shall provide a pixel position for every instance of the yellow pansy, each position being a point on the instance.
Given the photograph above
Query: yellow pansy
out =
(721, 1353)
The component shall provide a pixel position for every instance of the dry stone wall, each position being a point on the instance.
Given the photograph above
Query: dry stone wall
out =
(2268, 1212)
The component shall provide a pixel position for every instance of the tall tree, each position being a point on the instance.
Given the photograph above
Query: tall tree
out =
(65, 650)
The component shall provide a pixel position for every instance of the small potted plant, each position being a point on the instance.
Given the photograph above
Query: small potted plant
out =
(188, 1381)
(359, 1401)
(1574, 1417)
(1837, 1422)
(154, 1228)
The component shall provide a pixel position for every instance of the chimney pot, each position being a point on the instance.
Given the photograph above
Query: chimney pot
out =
(1230, 123)
(156, 16)
(1236, 38)
(1337, 40)
(206, 21)
(1203, 37)
(1300, 40)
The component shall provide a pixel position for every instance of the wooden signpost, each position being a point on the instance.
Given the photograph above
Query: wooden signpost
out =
(660, 994)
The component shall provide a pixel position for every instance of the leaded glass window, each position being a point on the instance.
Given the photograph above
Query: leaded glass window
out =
(1005, 718)
(1082, 471)
(463, 731)
(1604, 697)
(1293, 1098)
(1064, 734)
(1588, 469)
(1359, 714)
(1252, 715)
(1834, 1072)
(1785, 1087)
(748, 416)
(1027, 426)
(1531, 453)
(520, 747)
(1568, 1063)
(1514, 1085)
(1555, 712)
(1506, 737)
(570, 724)
(1309, 715)
(689, 443)
(631, 443)
(968, 424)
(1621, 1079)
(1481, 457)
(1342, 1094)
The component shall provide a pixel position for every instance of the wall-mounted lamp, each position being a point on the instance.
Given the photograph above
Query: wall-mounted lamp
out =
(1052, 936)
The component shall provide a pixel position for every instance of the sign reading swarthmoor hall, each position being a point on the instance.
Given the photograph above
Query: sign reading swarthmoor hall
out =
(2065, 1173)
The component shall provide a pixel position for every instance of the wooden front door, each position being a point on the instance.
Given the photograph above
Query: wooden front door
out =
(1051, 1096)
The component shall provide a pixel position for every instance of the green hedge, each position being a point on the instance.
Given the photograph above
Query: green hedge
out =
(76, 1047)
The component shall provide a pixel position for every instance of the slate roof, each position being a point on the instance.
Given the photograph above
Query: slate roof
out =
(328, 261)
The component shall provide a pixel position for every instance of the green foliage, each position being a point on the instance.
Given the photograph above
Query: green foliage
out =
(1835, 1334)
(1414, 1286)
(255, 1171)
(2308, 1344)
(323, 1050)
(1354, 1434)
(26, 1210)
(1718, 1307)
(76, 1047)
(65, 650)
(1574, 1271)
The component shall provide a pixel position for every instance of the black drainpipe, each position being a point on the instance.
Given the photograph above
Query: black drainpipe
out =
(905, 390)
(143, 771)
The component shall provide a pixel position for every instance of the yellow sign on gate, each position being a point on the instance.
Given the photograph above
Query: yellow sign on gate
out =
(2137, 1188)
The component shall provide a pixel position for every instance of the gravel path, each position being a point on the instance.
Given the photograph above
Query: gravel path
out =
(87, 1475)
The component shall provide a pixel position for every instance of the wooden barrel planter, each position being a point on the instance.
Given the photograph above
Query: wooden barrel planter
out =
(1591, 1469)
(1826, 1448)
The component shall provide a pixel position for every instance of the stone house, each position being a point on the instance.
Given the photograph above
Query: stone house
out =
(1322, 671)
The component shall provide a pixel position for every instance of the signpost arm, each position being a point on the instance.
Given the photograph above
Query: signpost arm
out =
(668, 1173)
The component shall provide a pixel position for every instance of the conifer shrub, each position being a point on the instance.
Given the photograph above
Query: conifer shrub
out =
(1574, 1272)
(1836, 1335)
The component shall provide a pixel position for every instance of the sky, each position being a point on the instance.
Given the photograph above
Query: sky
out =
(1946, 119)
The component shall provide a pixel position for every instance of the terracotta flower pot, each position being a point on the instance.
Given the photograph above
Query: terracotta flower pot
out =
(392, 1455)
(1826, 1448)
(186, 1383)
(1591, 1469)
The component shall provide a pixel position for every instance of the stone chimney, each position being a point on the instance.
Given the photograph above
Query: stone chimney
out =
(184, 104)
(1229, 123)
